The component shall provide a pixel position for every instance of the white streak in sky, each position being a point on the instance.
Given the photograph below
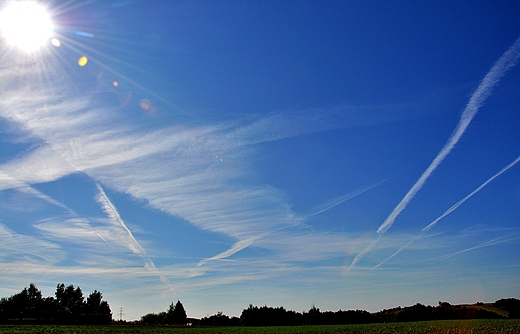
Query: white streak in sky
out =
(362, 253)
(112, 213)
(132, 243)
(492, 242)
(237, 247)
(450, 210)
(398, 251)
(29, 248)
(507, 61)
(7, 181)
(345, 198)
(99, 235)
(459, 203)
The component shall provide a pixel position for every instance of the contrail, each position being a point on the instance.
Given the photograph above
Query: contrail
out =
(450, 210)
(114, 216)
(499, 69)
(398, 251)
(27, 189)
(237, 247)
(507, 61)
(459, 203)
(132, 243)
(346, 198)
(362, 253)
(493, 242)
(99, 235)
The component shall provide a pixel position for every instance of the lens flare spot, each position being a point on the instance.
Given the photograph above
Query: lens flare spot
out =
(84, 34)
(145, 104)
(82, 61)
(115, 83)
(148, 107)
(56, 42)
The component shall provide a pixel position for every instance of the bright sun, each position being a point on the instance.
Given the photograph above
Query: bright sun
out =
(25, 24)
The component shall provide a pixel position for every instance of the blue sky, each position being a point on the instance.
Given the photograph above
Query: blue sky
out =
(350, 155)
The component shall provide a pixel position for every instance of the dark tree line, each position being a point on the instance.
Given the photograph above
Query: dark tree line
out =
(270, 316)
(219, 319)
(67, 307)
(444, 311)
(176, 315)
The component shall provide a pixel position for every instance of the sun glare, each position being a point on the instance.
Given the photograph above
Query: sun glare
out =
(25, 24)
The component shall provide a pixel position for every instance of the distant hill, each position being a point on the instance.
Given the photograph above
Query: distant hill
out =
(269, 316)
(501, 309)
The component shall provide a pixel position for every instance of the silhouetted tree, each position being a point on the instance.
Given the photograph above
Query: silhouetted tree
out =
(69, 299)
(269, 316)
(68, 307)
(176, 314)
(23, 305)
(219, 319)
(153, 318)
(313, 317)
(97, 311)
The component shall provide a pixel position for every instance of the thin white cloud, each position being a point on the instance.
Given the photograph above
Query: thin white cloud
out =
(8, 182)
(459, 203)
(362, 254)
(343, 199)
(492, 242)
(237, 247)
(294, 123)
(499, 69)
(112, 213)
(173, 169)
(127, 235)
(15, 247)
(450, 210)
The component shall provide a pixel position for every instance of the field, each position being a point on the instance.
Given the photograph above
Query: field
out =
(449, 326)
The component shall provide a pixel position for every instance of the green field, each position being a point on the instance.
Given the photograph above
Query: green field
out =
(447, 326)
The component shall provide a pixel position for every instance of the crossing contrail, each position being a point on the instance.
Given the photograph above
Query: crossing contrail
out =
(127, 235)
(507, 61)
(499, 69)
(450, 210)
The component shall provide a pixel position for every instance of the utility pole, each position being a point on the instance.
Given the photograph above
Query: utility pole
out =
(121, 314)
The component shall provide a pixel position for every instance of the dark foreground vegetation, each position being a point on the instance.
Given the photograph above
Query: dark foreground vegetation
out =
(427, 327)
(67, 307)
(270, 316)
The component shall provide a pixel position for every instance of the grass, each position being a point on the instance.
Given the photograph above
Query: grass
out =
(426, 327)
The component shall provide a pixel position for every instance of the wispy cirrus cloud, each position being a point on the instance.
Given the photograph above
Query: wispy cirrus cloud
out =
(179, 171)
(173, 169)
(16, 247)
